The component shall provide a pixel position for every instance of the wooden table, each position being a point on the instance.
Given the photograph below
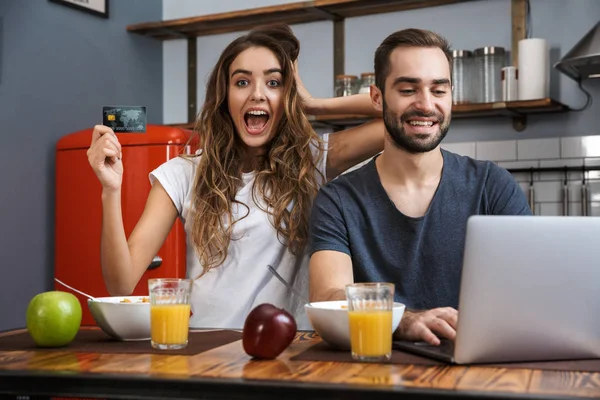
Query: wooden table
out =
(228, 373)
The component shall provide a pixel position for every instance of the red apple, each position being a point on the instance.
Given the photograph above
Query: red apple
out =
(268, 331)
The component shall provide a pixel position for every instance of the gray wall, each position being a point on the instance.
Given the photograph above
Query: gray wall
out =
(58, 67)
(467, 25)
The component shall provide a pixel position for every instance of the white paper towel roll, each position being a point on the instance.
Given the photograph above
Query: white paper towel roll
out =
(534, 69)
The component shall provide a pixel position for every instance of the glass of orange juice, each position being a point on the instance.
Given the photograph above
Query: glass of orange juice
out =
(169, 312)
(370, 320)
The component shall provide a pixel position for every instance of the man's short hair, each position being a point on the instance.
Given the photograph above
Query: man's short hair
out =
(406, 38)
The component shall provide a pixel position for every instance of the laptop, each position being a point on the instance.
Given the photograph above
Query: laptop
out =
(530, 291)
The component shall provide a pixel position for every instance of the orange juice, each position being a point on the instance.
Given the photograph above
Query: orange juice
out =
(371, 332)
(169, 323)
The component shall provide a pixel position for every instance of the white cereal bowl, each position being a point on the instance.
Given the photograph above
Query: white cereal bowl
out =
(122, 320)
(330, 320)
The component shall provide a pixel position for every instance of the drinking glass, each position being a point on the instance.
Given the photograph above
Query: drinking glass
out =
(169, 312)
(370, 308)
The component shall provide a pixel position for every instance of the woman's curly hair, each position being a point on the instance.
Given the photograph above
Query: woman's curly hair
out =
(286, 177)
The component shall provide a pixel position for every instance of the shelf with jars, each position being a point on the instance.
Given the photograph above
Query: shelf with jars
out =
(291, 13)
(336, 11)
(518, 110)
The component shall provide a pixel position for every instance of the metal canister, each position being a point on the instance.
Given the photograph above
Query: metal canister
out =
(489, 62)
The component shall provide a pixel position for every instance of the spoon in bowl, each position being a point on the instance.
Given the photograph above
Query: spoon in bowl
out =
(297, 293)
(75, 290)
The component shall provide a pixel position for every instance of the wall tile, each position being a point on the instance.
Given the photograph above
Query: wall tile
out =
(575, 209)
(593, 189)
(505, 150)
(580, 146)
(575, 191)
(551, 209)
(592, 162)
(560, 176)
(464, 149)
(521, 176)
(594, 209)
(548, 191)
(535, 149)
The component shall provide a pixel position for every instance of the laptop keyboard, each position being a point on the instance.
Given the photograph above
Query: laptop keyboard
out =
(444, 351)
(445, 347)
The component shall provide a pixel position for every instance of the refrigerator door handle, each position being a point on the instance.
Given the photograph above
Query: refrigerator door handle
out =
(156, 262)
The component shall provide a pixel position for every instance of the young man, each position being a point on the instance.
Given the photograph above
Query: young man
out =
(402, 217)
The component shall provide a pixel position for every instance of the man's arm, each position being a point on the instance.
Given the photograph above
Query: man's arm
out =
(330, 262)
(330, 271)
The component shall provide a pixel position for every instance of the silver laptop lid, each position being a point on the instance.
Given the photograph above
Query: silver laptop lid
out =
(530, 289)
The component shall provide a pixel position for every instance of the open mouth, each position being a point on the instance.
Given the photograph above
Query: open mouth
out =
(421, 125)
(256, 121)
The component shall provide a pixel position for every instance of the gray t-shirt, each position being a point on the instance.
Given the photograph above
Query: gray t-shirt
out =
(422, 256)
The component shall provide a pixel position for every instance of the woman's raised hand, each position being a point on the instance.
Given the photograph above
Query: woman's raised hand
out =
(104, 156)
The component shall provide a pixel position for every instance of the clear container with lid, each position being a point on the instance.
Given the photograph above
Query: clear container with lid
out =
(462, 77)
(346, 85)
(366, 80)
(489, 62)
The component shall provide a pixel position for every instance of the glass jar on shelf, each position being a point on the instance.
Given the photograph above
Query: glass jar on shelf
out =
(346, 85)
(489, 62)
(366, 80)
(462, 77)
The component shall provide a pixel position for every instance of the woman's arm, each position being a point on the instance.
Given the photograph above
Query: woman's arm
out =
(125, 261)
(356, 104)
(354, 145)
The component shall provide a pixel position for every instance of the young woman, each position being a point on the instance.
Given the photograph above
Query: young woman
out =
(245, 198)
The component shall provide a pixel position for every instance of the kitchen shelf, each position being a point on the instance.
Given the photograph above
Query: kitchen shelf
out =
(292, 13)
(336, 11)
(518, 110)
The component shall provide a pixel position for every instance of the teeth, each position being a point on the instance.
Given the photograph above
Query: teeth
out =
(257, 112)
(421, 123)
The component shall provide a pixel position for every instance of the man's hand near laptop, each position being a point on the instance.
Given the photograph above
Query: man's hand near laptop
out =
(428, 326)
(331, 271)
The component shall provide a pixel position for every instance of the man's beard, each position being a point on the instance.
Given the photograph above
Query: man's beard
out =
(418, 143)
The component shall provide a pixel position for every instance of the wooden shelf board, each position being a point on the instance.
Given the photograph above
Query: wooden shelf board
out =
(500, 109)
(353, 8)
(510, 108)
(291, 13)
(241, 20)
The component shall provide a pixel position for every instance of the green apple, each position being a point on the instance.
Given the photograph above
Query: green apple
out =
(53, 318)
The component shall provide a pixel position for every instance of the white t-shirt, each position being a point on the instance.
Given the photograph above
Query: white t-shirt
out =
(224, 296)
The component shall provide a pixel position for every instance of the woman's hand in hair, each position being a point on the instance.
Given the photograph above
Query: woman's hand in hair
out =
(356, 104)
(309, 103)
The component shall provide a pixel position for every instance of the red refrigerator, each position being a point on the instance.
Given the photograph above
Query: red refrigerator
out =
(78, 208)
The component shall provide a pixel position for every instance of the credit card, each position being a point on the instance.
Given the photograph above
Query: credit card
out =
(124, 118)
